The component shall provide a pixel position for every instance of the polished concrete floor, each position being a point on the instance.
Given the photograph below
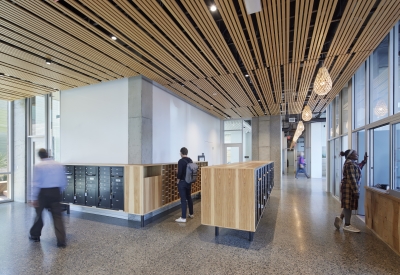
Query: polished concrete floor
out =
(295, 236)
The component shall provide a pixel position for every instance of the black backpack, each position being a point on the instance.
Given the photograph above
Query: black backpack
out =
(191, 172)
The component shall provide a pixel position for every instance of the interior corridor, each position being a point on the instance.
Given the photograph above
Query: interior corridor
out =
(296, 236)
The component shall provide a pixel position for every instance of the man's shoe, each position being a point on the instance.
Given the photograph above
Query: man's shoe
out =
(351, 228)
(35, 239)
(191, 216)
(338, 222)
(180, 220)
(61, 245)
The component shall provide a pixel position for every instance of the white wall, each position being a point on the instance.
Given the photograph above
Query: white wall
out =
(317, 141)
(177, 124)
(94, 123)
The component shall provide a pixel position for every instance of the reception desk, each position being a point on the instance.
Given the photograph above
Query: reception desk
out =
(235, 195)
(382, 216)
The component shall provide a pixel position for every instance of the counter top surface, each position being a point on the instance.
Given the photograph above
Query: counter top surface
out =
(240, 165)
(109, 164)
(385, 193)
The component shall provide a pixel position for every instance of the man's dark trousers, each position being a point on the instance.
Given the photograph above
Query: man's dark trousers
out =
(185, 191)
(49, 198)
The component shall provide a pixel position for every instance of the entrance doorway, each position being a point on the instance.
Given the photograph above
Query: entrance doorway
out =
(233, 153)
(34, 144)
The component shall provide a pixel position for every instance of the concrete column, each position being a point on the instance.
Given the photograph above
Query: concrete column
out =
(264, 152)
(254, 138)
(276, 148)
(19, 165)
(267, 142)
(140, 111)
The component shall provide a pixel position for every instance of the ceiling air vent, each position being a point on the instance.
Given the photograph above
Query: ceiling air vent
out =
(292, 119)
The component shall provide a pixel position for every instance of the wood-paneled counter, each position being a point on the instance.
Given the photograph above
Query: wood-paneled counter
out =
(235, 195)
(152, 186)
(382, 216)
(146, 188)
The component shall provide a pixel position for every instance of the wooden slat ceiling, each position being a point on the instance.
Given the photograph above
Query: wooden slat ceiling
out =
(227, 62)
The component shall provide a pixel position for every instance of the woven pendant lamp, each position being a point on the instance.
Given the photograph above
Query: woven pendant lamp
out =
(323, 82)
(300, 126)
(307, 114)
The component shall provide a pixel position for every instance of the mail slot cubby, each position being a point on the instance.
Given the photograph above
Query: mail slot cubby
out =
(117, 181)
(92, 170)
(117, 171)
(69, 169)
(104, 171)
(92, 185)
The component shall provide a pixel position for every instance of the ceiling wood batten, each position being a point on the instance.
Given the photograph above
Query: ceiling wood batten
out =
(200, 55)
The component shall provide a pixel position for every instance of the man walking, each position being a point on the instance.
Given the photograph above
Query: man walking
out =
(184, 188)
(48, 182)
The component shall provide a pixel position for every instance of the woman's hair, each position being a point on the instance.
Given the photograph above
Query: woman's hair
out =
(345, 154)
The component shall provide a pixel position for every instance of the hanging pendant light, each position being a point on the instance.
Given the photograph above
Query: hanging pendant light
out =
(381, 108)
(300, 126)
(323, 82)
(307, 114)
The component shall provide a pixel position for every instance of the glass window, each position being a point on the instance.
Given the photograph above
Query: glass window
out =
(359, 97)
(331, 118)
(338, 167)
(5, 182)
(38, 116)
(233, 131)
(247, 140)
(396, 156)
(55, 125)
(345, 146)
(380, 158)
(397, 76)
(345, 109)
(332, 165)
(337, 116)
(379, 72)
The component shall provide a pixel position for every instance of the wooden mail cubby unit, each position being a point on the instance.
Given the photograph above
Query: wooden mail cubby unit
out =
(235, 195)
(152, 186)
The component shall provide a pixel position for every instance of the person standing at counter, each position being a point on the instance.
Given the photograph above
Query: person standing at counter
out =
(184, 188)
(350, 188)
(48, 182)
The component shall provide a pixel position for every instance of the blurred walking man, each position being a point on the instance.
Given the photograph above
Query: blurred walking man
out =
(48, 182)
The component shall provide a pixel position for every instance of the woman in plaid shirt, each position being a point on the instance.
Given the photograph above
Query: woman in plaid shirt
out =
(350, 188)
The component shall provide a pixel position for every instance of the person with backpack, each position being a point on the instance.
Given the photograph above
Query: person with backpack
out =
(187, 174)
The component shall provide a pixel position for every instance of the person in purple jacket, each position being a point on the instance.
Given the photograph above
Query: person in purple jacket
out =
(49, 181)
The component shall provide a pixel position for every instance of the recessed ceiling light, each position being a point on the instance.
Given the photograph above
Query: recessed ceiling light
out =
(113, 37)
(213, 8)
(246, 75)
(214, 93)
(48, 61)
(259, 100)
(2, 74)
(212, 105)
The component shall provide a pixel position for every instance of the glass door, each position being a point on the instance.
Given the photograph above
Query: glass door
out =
(35, 143)
(6, 187)
(338, 167)
(233, 153)
(360, 147)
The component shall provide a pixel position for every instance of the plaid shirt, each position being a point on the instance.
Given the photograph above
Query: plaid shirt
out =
(350, 185)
